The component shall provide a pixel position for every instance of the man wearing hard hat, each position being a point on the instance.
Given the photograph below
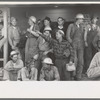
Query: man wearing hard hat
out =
(92, 36)
(31, 47)
(75, 35)
(12, 66)
(44, 46)
(63, 53)
(48, 71)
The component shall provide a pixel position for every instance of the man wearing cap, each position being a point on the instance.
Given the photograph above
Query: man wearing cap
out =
(63, 53)
(29, 72)
(12, 66)
(44, 46)
(31, 47)
(91, 38)
(14, 35)
(75, 35)
(61, 26)
(48, 71)
(93, 71)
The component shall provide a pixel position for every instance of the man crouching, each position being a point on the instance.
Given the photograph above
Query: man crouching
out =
(48, 71)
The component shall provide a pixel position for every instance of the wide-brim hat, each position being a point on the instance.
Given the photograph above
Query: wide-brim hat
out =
(33, 18)
(13, 53)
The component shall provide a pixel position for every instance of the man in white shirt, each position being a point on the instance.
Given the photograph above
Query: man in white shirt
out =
(94, 68)
(12, 67)
(29, 72)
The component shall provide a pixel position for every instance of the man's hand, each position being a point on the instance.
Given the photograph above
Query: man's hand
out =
(86, 44)
(38, 32)
(70, 40)
(45, 53)
(70, 63)
(29, 30)
(13, 47)
(36, 57)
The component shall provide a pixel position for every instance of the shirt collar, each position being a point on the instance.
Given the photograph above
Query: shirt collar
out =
(60, 27)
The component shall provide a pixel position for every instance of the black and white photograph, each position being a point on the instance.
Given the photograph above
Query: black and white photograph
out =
(50, 41)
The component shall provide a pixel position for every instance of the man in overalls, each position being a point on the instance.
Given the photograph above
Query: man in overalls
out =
(75, 35)
(91, 38)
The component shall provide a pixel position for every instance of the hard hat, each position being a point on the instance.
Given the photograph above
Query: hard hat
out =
(47, 29)
(14, 53)
(47, 61)
(61, 32)
(33, 19)
(78, 16)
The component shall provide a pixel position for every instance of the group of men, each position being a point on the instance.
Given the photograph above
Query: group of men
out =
(50, 51)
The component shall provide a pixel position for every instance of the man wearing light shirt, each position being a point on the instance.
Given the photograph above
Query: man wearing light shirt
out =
(94, 68)
(12, 67)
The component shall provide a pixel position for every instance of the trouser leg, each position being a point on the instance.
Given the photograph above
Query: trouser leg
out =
(61, 65)
(88, 57)
(79, 68)
(6, 75)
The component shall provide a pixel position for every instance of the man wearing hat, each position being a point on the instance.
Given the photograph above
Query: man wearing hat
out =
(91, 38)
(14, 65)
(31, 47)
(44, 46)
(75, 35)
(48, 71)
(29, 72)
(93, 71)
(63, 53)
(61, 26)
(14, 35)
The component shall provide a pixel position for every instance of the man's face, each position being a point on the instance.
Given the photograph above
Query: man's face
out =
(60, 21)
(46, 33)
(15, 58)
(94, 21)
(14, 22)
(46, 65)
(80, 20)
(58, 35)
(32, 64)
(30, 22)
(46, 22)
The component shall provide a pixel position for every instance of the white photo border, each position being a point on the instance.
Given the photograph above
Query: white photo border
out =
(68, 89)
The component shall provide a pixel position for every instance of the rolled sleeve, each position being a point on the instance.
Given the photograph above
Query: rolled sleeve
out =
(94, 69)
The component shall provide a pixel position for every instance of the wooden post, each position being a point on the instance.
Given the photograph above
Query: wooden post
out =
(5, 35)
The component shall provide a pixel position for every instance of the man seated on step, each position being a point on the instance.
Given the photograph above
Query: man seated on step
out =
(93, 71)
(48, 71)
(12, 68)
(29, 72)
